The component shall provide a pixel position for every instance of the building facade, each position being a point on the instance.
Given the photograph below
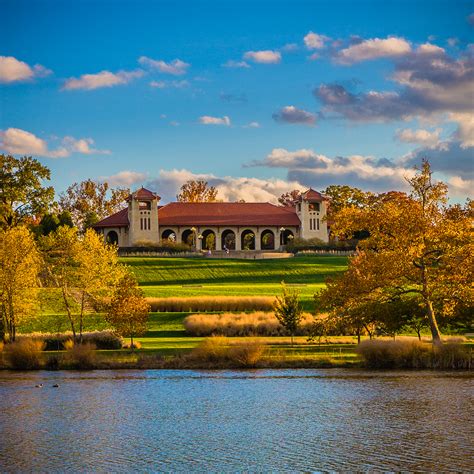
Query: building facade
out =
(215, 225)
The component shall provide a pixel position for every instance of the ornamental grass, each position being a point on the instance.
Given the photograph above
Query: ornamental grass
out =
(211, 303)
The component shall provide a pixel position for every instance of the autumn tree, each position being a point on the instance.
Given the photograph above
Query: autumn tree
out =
(288, 310)
(197, 191)
(128, 309)
(19, 267)
(84, 268)
(51, 221)
(290, 198)
(416, 246)
(23, 195)
(342, 196)
(89, 201)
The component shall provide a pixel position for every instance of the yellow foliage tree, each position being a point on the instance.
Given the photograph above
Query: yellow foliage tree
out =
(197, 191)
(19, 266)
(416, 245)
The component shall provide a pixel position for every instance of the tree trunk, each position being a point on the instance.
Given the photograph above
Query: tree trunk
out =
(418, 331)
(68, 311)
(435, 333)
(81, 317)
(358, 335)
(131, 343)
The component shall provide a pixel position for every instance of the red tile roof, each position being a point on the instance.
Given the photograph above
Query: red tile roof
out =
(213, 214)
(226, 213)
(312, 195)
(119, 219)
(144, 194)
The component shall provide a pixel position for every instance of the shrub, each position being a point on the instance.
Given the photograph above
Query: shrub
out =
(82, 356)
(211, 303)
(24, 354)
(242, 324)
(62, 341)
(136, 345)
(53, 362)
(413, 354)
(212, 349)
(246, 354)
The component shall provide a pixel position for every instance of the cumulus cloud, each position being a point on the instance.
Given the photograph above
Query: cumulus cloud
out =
(101, 79)
(208, 120)
(421, 137)
(125, 178)
(263, 57)
(315, 41)
(431, 85)
(236, 64)
(230, 188)
(175, 67)
(374, 49)
(21, 142)
(14, 70)
(292, 115)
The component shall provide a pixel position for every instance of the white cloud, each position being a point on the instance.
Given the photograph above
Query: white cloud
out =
(169, 84)
(263, 57)
(21, 142)
(421, 137)
(315, 41)
(461, 187)
(101, 79)
(252, 125)
(236, 64)
(14, 70)
(373, 49)
(465, 131)
(229, 188)
(175, 67)
(208, 120)
(428, 48)
(292, 115)
(125, 178)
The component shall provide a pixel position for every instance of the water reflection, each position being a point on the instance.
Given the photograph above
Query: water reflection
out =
(229, 421)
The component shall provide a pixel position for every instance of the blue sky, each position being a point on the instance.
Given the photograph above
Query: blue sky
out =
(256, 97)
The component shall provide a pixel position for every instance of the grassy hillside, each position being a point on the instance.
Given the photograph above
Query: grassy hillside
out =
(164, 277)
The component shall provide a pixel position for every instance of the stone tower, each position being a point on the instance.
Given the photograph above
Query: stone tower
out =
(311, 209)
(143, 218)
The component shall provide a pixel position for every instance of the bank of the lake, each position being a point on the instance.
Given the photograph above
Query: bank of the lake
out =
(228, 421)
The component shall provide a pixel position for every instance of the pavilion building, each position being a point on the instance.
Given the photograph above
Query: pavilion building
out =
(215, 225)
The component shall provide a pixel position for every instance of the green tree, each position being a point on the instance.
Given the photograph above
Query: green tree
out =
(342, 196)
(19, 266)
(22, 193)
(51, 221)
(416, 245)
(197, 191)
(88, 202)
(128, 310)
(288, 310)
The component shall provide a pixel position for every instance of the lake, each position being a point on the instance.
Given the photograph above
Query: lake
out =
(265, 420)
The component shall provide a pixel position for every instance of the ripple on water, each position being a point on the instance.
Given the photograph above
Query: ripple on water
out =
(281, 420)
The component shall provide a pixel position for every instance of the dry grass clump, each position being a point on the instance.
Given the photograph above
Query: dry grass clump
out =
(413, 354)
(62, 341)
(211, 303)
(258, 323)
(24, 354)
(82, 356)
(219, 350)
(135, 345)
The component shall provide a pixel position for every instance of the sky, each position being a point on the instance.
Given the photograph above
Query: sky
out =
(256, 97)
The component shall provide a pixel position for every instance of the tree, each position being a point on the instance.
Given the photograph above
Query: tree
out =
(288, 310)
(197, 191)
(290, 198)
(84, 268)
(22, 193)
(88, 202)
(416, 245)
(51, 221)
(128, 310)
(19, 267)
(346, 196)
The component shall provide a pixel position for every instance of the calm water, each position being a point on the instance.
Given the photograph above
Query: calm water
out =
(236, 421)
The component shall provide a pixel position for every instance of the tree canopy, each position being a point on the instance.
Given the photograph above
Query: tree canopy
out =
(197, 191)
(416, 245)
(290, 198)
(23, 195)
(89, 201)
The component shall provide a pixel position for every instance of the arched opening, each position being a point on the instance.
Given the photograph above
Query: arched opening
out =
(248, 240)
(169, 235)
(286, 236)
(112, 237)
(228, 240)
(187, 237)
(267, 240)
(208, 240)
